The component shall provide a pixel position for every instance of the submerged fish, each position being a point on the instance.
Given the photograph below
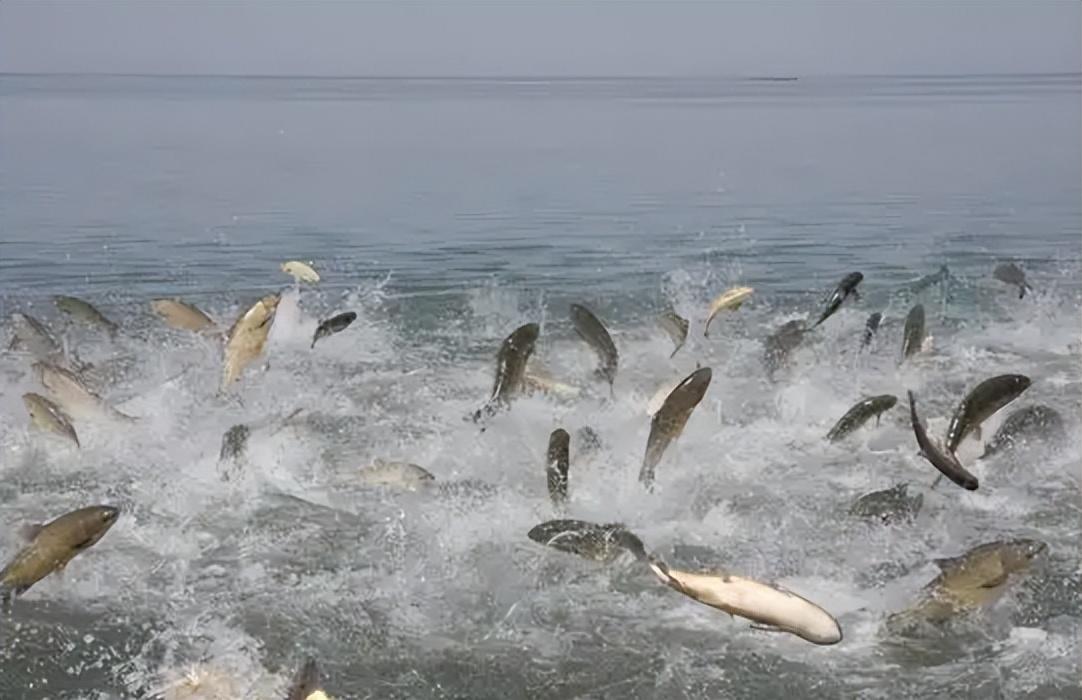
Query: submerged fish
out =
(870, 328)
(558, 462)
(1025, 424)
(245, 340)
(49, 417)
(985, 400)
(333, 325)
(234, 443)
(538, 378)
(729, 299)
(943, 460)
(1009, 273)
(181, 315)
(889, 505)
(590, 329)
(669, 421)
(780, 343)
(307, 684)
(77, 401)
(770, 608)
(860, 413)
(913, 335)
(939, 276)
(602, 543)
(969, 582)
(301, 272)
(587, 441)
(52, 546)
(676, 327)
(847, 286)
(399, 474)
(85, 312)
(30, 335)
(511, 362)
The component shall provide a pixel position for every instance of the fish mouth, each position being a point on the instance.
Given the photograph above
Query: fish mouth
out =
(1033, 548)
(109, 514)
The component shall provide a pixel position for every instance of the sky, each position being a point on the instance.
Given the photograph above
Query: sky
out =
(798, 37)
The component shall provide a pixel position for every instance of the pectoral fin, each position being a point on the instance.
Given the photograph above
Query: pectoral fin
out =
(996, 582)
(765, 628)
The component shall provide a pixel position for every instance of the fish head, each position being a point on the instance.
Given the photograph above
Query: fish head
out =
(690, 392)
(525, 335)
(1017, 554)
(559, 440)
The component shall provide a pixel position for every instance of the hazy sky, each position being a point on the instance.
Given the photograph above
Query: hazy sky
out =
(540, 38)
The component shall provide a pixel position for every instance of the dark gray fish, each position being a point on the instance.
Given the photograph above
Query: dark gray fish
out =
(676, 327)
(587, 441)
(48, 416)
(590, 329)
(307, 682)
(860, 413)
(602, 543)
(888, 506)
(944, 461)
(779, 344)
(669, 421)
(234, 442)
(30, 335)
(913, 335)
(847, 286)
(1009, 273)
(939, 276)
(558, 462)
(1026, 424)
(511, 361)
(870, 328)
(333, 325)
(85, 312)
(980, 404)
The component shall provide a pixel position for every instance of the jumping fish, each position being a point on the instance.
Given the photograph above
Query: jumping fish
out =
(676, 327)
(558, 462)
(301, 272)
(870, 328)
(181, 315)
(333, 325)
(1009, 273)
(602, 543)
(669, 421)
(76, 400)
(52, 546)
(729, 299)
(860, 413)
(30, 335)
(591, 330)
(511, 362)
(399, 474)
(537, 378)
(969, 582)
(847, 286)
(982, 403)
(770, 608)
(1029, 423)
(49, 417)
(779, 344)
(246, 338)
(913, 335)
(85, 312)
(943, 460)
(307, 685)
(889, 505)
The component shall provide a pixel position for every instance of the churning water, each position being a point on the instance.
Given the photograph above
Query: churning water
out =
(448, 212)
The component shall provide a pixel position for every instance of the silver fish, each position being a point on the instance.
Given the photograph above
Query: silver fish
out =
(73, 396)
(85, 312)
(511, 362)
(982, 403)
(870, 328)
(913, 335)
(1009, 273)
(1025, 424)
(943, 460)
(676, 327)
(668, 423)
(888, 506)
(48, 416)
(847, 286)
(182, 315)
(860, 413)
(595, 541)
(591, 330)
(30, 335)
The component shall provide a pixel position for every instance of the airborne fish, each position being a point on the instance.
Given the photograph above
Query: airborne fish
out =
(938, 277)
(602, 543)
(333, 325)
(511, 362)
(860, 413)
(779, 344)
(676, 327)
(870, 328)
(1025, 424)
(847, 286)
(982, 403)
(888, 505)
(48, 416)
(399, 474)
(729, 299)
(943, 460)
(968, 582)
(84, 311)
(591, 330)
(52, 546)
(181, 315)
(301, 272)
(1009, 273)
(246, 338)
(669, 421)
(30, 335)
(558, 462)
(913, 335)
(72, 395)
